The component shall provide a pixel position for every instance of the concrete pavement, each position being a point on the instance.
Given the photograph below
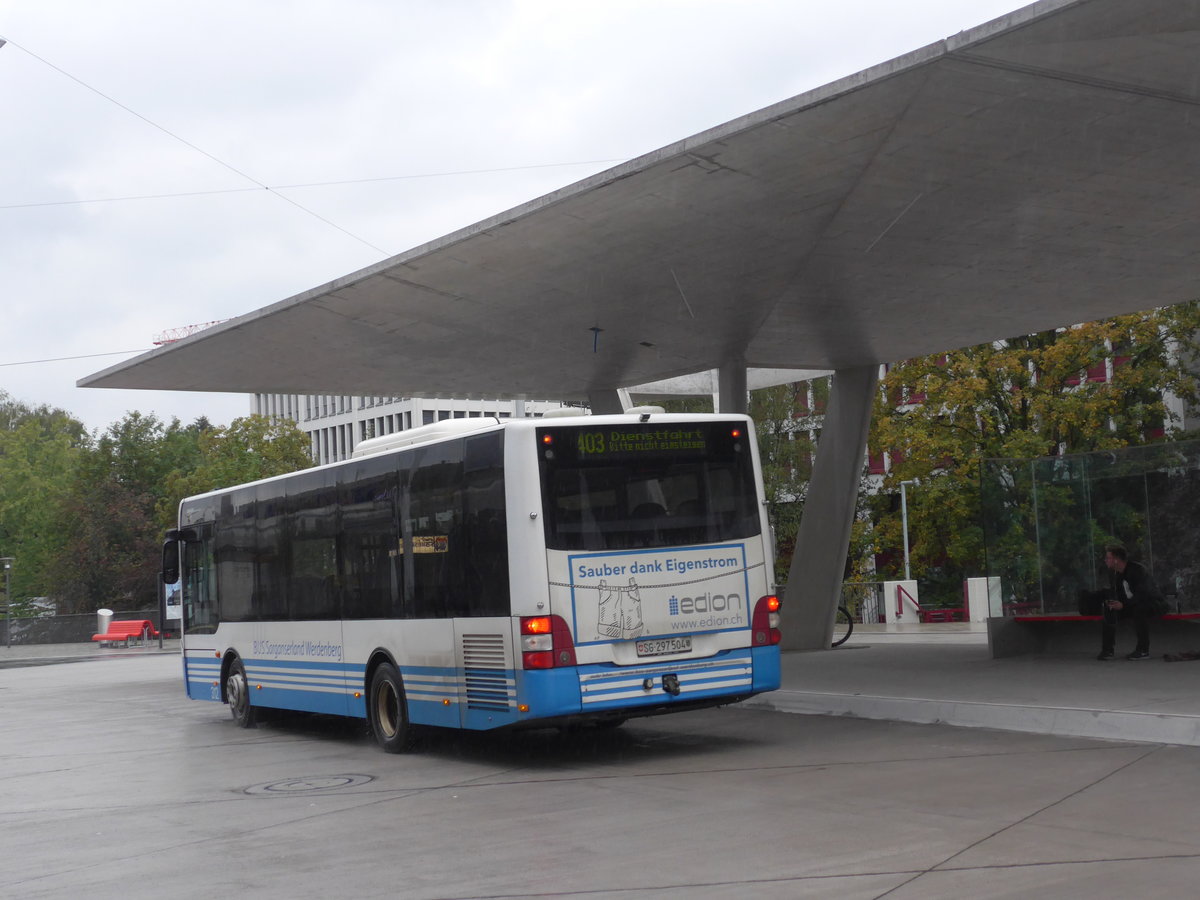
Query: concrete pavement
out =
(115, 785)
(945, 674)
(20, 655)
(929, 673)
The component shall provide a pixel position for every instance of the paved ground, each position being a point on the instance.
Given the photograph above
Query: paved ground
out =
(112, 784)
(949, 677)
(936, 673)
(22, 655)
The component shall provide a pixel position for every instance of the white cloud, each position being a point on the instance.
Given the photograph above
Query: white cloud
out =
(302, 92)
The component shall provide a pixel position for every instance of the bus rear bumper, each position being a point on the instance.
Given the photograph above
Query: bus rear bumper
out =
(605, 691)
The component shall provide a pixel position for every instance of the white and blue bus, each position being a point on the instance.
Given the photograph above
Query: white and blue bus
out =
(485, 573)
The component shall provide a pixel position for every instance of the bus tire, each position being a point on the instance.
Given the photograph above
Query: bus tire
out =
(388, 710)
(237, 695)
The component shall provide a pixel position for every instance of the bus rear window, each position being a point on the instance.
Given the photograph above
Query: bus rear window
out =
(646, 485)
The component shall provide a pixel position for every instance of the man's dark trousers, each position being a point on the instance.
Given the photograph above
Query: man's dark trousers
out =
(1141, 627)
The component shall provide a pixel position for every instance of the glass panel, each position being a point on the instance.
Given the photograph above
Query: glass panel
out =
(235, 554)
(433, 541)
(646, 486)
(200, 611)
(312, 510)
(485, 556)
(1046, 522)
(370, 538)
(270, 597)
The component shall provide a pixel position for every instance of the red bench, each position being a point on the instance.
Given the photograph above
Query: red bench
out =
(1068, 633)
(127, 630)
(952, 614)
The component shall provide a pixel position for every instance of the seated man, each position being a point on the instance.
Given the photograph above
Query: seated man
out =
(1133, 596)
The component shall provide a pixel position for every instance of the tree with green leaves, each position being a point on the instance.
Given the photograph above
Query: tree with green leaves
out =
(1094, 386)
(248, 449)
(107, 515)
(39, 450)
(786, 451)
(84, 516)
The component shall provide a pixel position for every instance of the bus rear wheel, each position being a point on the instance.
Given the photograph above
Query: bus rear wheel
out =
(237, 695)
(388, 711)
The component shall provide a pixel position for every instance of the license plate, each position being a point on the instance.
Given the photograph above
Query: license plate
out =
(664, 646)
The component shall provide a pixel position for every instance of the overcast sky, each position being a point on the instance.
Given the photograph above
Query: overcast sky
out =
(173, 163)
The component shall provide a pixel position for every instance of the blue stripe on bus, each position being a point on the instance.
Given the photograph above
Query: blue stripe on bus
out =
(298, 698)
(768, 674)
(307, 686)
(482, 699)
(610, 687)
(549, 692)
(203, 675)
(302, 664)
(607, 687)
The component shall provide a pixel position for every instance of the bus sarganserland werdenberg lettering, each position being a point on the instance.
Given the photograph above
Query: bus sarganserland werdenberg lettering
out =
(484, 573)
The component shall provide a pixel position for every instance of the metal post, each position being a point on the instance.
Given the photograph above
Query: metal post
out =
(7, 561)
(904, 516)
(1037, 535)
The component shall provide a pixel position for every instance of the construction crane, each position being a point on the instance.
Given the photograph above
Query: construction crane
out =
(171, 335)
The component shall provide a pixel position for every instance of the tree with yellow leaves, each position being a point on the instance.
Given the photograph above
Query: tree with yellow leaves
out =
(1094, 386)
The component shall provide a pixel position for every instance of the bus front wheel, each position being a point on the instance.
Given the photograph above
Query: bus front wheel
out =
(237, 695)
(388, 711)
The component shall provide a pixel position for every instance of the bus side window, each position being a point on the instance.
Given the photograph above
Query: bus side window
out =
(270, 569)
(200, 612)
(235, 553)
(486, 527)
(312, 505)
(369, 541)
(434, 545)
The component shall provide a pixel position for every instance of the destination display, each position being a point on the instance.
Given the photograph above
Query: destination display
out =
(609, 442)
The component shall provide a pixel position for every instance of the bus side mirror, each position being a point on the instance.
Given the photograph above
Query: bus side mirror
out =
(170, 554)
(170, 562)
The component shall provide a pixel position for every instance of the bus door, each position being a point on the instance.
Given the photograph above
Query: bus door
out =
(200, 612)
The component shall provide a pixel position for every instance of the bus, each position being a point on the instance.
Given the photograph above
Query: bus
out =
(486, 573)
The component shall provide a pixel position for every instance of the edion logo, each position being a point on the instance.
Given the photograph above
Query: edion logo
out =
(703, 603)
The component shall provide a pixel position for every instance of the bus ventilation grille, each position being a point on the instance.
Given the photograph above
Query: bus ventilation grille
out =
(487, 675)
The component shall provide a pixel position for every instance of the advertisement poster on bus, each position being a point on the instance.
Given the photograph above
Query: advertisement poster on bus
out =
(645, 593)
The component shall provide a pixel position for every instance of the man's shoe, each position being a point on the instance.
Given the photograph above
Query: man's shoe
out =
(1138, 654)
(1105, 655)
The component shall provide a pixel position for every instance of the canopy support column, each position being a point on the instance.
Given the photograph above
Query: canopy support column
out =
(606, 402)
(731, 387)
(814, 585)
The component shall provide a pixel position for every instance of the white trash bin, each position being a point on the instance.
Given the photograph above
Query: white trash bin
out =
(103, 620)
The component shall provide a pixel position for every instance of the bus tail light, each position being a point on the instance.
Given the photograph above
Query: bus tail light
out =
(765, 625)
(546, 643)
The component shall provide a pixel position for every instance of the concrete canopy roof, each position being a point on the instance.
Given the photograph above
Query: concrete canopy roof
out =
(1036, 171)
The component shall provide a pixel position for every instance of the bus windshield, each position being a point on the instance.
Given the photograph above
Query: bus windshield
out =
(646, 485)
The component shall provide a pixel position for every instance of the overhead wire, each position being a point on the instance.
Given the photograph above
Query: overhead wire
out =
(275, 190)
(259, 185)
(33, 362)
(198, 149)
(309, 184)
